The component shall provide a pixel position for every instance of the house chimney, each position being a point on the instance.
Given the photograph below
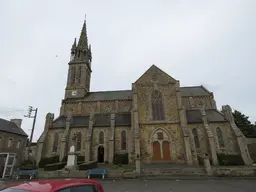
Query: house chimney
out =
(17, 122)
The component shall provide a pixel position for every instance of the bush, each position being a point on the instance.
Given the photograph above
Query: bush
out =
(28, 167)
(89, 165)
(228, 159)
(80, 162)
(121, 158)
(64, 159)
(80, 158)
(55, 166)
(200, 160)
(48, 160)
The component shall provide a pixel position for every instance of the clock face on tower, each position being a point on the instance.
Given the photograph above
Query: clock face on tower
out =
(73, 93)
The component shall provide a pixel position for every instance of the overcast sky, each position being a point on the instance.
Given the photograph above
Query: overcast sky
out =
(196, 41)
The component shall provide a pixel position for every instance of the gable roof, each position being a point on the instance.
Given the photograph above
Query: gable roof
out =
(156, 69)
(10, 127)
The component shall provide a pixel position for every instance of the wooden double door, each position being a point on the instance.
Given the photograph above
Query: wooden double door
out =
(161, 151)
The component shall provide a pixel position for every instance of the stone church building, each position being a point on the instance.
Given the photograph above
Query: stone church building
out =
(157, 120)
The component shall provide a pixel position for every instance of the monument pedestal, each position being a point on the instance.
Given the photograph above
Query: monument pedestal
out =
(72, 159)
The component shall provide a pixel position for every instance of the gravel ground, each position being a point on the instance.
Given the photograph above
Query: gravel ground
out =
(176, 185)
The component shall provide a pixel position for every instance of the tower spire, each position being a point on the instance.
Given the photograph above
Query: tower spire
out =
(83, 41)
(74, 46)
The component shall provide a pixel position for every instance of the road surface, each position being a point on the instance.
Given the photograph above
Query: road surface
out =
(177, 185)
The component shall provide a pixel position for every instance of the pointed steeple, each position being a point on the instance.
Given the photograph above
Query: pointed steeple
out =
(74, 46)
(83, 42)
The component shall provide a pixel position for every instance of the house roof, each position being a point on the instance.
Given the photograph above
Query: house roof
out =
(10, 127)
(213, 116)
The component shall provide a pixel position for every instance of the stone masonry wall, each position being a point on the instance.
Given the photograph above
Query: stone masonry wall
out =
(84, 108)
(203, 141)
(48, 144)
(195, 101)
(20, 151)
(175, 139)
(228, 137)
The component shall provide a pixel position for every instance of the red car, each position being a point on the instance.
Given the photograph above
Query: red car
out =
(60, 185)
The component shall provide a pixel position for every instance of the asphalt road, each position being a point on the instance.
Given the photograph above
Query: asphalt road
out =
(178, 185)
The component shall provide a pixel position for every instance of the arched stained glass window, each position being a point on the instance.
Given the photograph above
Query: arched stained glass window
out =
(78, 141)
(55, 142)
(123, 140)
(220, 137)
(101, 138)
(157, 105)
(196, 139)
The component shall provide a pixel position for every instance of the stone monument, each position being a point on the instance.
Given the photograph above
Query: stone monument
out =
(72, 157)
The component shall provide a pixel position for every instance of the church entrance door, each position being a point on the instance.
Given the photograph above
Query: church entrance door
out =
(156, 151)
(100, 154)
(166, 151)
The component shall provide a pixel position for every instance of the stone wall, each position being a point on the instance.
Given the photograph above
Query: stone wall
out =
(85, 108)
(175, 140)
(48, 143)
(229, 138)
(251, 143)
(196, 101)
(19, 149)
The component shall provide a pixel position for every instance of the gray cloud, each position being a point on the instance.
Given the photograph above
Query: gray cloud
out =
(196, 42)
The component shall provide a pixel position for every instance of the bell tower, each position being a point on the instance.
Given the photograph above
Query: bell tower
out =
(79, 73)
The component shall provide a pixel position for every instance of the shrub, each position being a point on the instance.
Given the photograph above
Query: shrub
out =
(28, 167)
(64, 159)
(80, 158)
(228, 159)
(89, 165)
(55, 166)
(121, 158)
(48, 160)
(80, 162)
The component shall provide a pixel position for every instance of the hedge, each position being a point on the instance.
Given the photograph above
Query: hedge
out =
(89, 165)
(55, 166)
(48, 160)
(121, 159)
(230, 159)
(79, 158)
(28, 167)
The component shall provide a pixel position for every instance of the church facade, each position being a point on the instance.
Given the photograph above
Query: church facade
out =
(157, 120)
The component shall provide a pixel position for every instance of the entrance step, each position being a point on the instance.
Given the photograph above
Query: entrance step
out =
(158, 172)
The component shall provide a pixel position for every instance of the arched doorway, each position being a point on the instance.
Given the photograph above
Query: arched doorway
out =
(156, 151)
(166, 151)
(100, 154)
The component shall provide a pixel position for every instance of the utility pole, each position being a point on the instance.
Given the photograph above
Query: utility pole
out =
(29, 115)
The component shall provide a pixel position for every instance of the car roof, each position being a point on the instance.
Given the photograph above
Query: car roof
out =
(52, 185)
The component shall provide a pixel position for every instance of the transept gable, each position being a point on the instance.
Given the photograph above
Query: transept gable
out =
(155, 74)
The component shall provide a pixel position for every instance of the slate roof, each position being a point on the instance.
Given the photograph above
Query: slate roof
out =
(194, 116)
(10, 127)
(127, 94)
(100, 120)
(109, 95)
(194, 91)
